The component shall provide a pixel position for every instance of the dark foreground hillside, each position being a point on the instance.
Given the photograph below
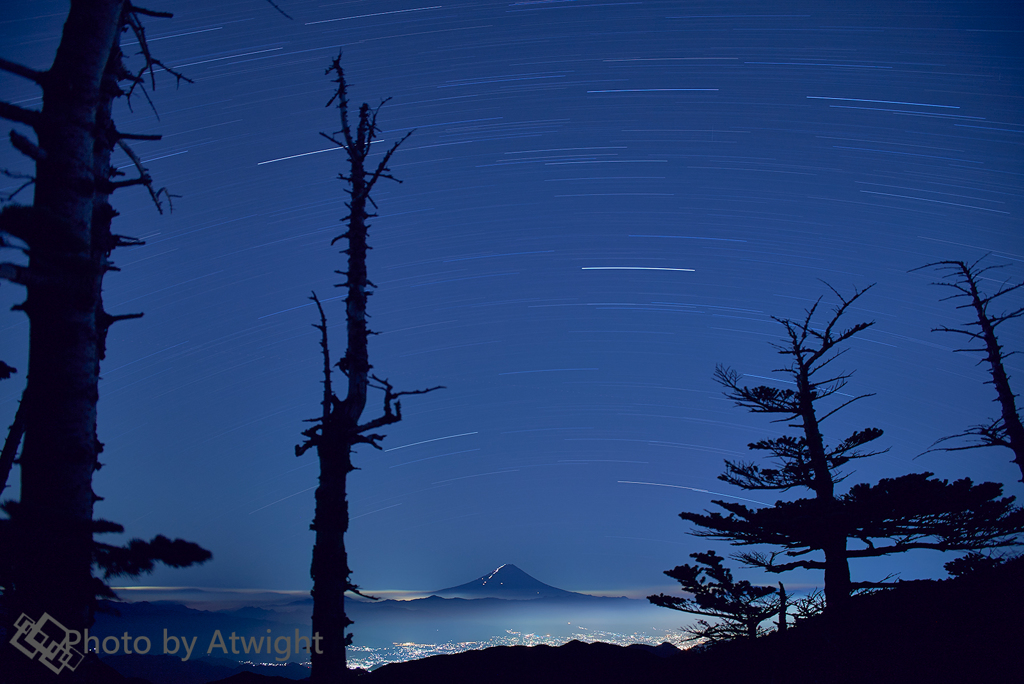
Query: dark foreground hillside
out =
(963, 630)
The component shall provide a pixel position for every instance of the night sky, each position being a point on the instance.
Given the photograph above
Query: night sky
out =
(600, 202)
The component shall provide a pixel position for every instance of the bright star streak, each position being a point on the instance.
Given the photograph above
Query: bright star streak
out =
(436, 439)
(306, 154)
(635, 268)
(428, 458)
(689, 237)
(375, 14)
(376, 511)
(654, 90)
(693, 489)
(280, 500)
(854, 99)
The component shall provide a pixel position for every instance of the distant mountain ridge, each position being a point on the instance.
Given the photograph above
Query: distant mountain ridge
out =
(506, 582)
(504, 606)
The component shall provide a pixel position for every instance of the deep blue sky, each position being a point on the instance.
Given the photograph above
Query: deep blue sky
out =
(766, 147)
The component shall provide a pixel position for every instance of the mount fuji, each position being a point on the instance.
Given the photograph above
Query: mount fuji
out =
(507, 582)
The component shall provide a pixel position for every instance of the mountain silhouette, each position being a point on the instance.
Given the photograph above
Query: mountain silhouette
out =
(507, 582)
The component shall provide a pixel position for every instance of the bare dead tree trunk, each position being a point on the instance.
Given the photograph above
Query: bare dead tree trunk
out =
(67, 233)
(337, 430)
(1007, 430)
(783, 607)
(11, 444)
(329, 569)
(63, 281)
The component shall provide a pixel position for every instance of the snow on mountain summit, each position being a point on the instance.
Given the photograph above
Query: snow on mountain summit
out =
(505, 582)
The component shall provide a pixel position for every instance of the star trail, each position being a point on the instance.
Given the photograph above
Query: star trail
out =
(599, 203)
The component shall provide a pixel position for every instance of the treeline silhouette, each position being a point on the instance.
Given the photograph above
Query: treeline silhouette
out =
(936, 631)
(894, 515)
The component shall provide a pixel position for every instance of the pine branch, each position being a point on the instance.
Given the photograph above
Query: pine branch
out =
(38, 77)
(29, 117)
(29, 180)
(17, 274)
(767, 563)
(27, 147)
(149, 13)
(140, 556)
(136, 136)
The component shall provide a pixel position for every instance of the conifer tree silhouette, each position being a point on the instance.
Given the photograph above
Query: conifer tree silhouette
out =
(338, 430)
(914, 511)
(48, 545)
(740, 606)
(1006, 430)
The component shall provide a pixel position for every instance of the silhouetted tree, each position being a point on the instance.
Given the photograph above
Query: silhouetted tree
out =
(14, 433)
(973, 563)
(66, 234)
(809, 605)
(911, 512)
(783, 607)
(1006, 430)
(338, 429)
(740, 606)
(135, 558)
(805, 461)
